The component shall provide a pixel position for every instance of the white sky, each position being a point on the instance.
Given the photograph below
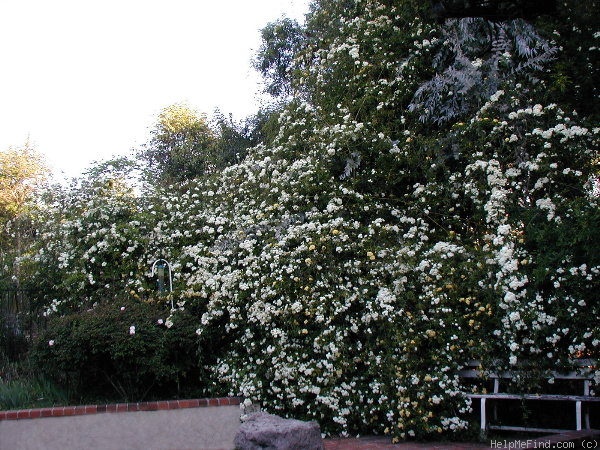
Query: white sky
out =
(85, 79)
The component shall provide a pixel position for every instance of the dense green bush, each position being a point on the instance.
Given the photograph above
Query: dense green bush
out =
(127, 350)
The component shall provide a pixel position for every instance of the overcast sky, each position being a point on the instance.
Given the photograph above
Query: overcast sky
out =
(85, 79)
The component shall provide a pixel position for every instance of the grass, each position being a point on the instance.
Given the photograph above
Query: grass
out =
(21, 387)
(30, 393)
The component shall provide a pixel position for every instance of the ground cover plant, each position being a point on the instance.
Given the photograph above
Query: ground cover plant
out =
(30, 391)
(389, 231)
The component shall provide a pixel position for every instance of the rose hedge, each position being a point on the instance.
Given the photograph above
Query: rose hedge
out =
(347, 272)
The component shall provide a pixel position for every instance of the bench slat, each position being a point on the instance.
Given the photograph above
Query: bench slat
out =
(474, 373)
(527, 429)
(549, 397)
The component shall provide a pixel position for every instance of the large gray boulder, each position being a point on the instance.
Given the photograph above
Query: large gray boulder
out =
(262, 431)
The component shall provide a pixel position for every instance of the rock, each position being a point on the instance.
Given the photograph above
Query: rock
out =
(262, 431)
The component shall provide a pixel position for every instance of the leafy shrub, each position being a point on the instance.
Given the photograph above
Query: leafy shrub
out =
(128, 350)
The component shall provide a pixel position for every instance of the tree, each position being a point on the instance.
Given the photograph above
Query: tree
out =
(181, 147)
(262, 127)
(117, 177)
(235, 139)
(474, 59)
(281, 42)
(231, 143)
(22, 173)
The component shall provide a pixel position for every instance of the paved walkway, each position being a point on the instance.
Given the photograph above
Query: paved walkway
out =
(384, 443)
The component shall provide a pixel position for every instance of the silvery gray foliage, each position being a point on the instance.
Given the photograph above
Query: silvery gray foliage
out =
(475, 58)
(352, 163)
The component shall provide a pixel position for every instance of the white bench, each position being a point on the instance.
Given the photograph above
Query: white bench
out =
(582, 418)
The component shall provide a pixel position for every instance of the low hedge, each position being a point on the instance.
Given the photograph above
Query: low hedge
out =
(128, 350)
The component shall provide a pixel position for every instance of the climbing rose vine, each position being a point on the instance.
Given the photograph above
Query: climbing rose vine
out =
(348, 271)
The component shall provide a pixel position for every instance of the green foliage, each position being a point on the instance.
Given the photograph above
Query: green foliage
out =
(36, 392)
(23, 173)
(184, 146)
(111, 177)
(126, 350)
(21, 386)
(262, 127)
(181, 147)
(22, 170)
(232, 142)
(574, 80)
(281, 41)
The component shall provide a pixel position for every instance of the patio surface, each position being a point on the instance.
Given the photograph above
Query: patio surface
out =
(381, 443)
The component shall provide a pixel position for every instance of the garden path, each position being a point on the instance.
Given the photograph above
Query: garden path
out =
(384, 443)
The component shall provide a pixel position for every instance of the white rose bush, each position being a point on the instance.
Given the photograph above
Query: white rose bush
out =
(346, 272)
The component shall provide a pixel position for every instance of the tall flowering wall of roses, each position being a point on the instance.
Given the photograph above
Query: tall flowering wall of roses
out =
(348, 271)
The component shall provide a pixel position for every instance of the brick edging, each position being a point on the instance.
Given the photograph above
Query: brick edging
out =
(61, 411)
